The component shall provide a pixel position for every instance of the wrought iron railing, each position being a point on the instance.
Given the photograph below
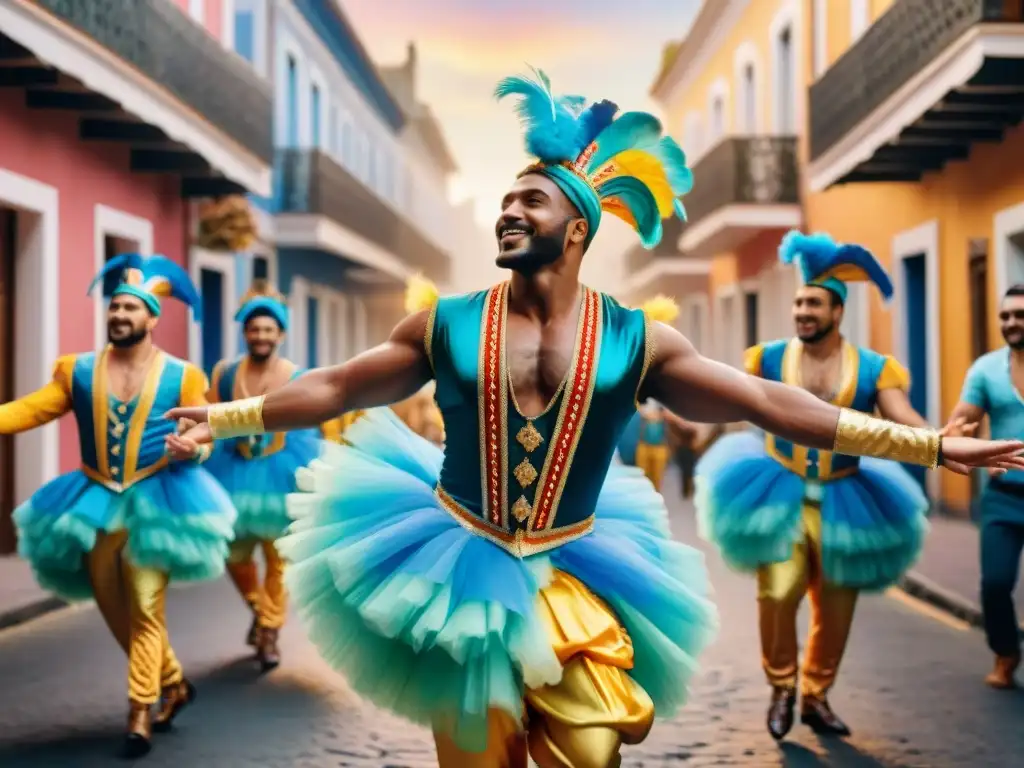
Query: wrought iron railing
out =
(174, 52)
(901, 43)
(311, 182)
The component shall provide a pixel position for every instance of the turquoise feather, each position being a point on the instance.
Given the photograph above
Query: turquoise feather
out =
(549, 125)
(818, 253)
(673, 160)
(633, 130)
(636, 196)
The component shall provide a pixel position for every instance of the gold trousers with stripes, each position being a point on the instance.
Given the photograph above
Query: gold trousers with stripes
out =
(268, 600)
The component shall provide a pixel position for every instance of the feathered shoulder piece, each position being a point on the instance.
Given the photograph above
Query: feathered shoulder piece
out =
(637, 173)
(420, 294)
(661, 309)
(822, 260)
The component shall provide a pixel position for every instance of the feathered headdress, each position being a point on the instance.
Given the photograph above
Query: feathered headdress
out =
(263, 298)
(828, 264)
(151, 278)
(420, 294)
(661, 309)
(620, 165)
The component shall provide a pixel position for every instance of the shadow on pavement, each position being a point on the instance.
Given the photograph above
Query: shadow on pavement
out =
(834, 752)
(234, 703)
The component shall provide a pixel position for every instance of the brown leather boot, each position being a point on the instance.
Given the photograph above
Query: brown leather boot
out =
(1001, 676)
(780, 712)
(174, 699)
(138, 739)
(817, 714)
(253, 638)
(267, 651)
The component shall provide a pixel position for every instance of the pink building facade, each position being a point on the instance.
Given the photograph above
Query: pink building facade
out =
(108, 139)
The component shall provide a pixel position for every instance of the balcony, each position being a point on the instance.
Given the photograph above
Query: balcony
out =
(742, 186)
(141, 72)
(662, 268)
(927, 81)
(322, 206)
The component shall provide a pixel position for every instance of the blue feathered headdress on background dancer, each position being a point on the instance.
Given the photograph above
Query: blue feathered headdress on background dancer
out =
(622, 165)
(151, 278)
(827, 264)
(263, 299)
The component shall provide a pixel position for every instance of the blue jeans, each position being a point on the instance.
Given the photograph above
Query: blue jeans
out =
(1002, 540)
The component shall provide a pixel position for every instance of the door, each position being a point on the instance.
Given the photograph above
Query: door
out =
(312, 332)
(8, 242)
(915, 319)
(211, 286)
(977, 281)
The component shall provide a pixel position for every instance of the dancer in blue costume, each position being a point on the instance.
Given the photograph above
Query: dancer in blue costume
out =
(129, 521)
(517, 591)
(813, 520)
(259, 472)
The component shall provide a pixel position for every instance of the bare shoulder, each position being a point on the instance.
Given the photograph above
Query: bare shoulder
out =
(669, 345)
(412, 329)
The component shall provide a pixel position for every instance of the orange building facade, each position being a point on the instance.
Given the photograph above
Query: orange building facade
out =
(903, 120)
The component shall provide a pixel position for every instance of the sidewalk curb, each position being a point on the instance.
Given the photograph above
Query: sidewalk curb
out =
(923, 588)
(23, 614)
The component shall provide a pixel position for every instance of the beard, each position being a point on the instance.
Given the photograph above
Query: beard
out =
(819, 334)
(1014, 338)
(540, 251)
(261, 355)
(124, 342)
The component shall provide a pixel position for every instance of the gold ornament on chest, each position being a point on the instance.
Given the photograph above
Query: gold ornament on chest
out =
(529, 437)
(525, 473)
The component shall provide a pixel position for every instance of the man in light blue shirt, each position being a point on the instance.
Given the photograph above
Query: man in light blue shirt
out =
(993, 387)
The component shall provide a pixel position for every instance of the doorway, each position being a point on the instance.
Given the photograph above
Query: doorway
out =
(916, 322)
(211, 288)
(8, 245)
(977, 282)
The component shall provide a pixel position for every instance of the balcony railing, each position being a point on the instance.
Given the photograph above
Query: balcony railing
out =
(900, 44)
(744, 170)
(174, 52)
(311, 182)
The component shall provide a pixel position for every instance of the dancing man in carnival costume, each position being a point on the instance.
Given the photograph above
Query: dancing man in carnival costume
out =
(809, 520)
(496, 591)
(259, 471)
(130, 520)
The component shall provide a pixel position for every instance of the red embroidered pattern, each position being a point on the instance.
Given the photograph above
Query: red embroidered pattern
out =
(566, 437)
(492, 406)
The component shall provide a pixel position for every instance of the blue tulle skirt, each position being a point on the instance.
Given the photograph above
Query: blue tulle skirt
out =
(751, 507)
(438, 624)
(260, 486)
(179, 520)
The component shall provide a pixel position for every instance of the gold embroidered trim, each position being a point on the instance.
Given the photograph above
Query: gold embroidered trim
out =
(492, 400)
(650, 350)
(521, 543)
(428, 335)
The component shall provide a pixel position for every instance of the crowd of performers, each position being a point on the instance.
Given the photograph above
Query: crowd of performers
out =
(481, 557)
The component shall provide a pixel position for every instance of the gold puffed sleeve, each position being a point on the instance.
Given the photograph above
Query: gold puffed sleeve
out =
(194, 387)
(42, 406)
(334, 430)
(752, 359)
(211, 393)
(893, 376)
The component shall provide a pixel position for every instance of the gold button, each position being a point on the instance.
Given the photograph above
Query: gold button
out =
(116, 450)
(114, 471)
(122, 408)
(118, 429)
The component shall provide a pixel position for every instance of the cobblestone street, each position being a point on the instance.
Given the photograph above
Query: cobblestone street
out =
(911, 689)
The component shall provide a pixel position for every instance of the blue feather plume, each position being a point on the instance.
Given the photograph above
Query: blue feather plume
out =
(549, 124)
(180, 283)
(818, 254)
(595, 119)
(118, 263)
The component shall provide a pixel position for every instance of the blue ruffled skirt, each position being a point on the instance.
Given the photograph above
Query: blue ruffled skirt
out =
(179, 520)
(259, 487)
(438, 624)
(751, 507)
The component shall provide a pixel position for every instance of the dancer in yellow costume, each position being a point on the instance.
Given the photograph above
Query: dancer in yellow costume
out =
(259, 472)
(518, 591)
(129, 521)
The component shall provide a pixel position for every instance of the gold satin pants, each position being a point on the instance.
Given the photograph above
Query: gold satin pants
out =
(131, 601)
(269, 600)
(652, 459)
(583, 720)
(780, 589)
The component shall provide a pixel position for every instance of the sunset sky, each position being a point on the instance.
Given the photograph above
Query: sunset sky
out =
(597, 48)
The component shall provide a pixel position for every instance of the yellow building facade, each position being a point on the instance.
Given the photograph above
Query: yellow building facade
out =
(907, 142)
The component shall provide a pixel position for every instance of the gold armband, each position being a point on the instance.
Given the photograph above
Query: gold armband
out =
(239, 418)
(858, 434)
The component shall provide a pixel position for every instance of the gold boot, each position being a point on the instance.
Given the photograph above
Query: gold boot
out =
(1002, 674)
(174, 699)
(138, 739)
(267, 651)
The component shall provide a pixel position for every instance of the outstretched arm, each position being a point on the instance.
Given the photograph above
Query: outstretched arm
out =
(385, 374)
(49, 402)
(704, 390)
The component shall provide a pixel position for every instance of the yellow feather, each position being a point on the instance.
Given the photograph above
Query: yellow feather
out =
(615, 207)
(646, 168)
(420, 294)
(660, 309)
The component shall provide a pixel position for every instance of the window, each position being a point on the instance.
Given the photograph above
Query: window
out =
(312, 331)
(346, 144)
(315, 116)
(260, 268)
(292, 95)
(785, 91)
(751, 336)
(211, 286)
(858, 19)
(197, 10)
(717, 119)
(245, 36)
(748, 100)
(111, 248)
